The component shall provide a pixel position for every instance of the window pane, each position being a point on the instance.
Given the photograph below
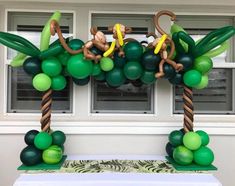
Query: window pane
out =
(216, 98)
(127, 98)
(22, 97)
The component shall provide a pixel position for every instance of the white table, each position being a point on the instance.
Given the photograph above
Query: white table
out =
(116, 179)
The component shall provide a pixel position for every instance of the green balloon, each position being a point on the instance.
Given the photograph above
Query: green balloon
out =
(203, 64)
(186, 60)
(133, 70)
(192, 140)
(150, 61)
(115, 77)
(182, 155)
(29, 137)
(79, 67)
(219, 50)
(169, 149)
(204, 137)
(96, 70)
(106, 64)
(169, 71)
(203, 83)
(76, 44)
(18, 60)
(43, 140)
(41, 82)
(177, 79)
(148, 77)
(133, 51)
(52, 155)
(176, 138)
(58, 83)
(58, 138)
(51, 66)
(63, 58)
(203, 156)
(81, 82)
(192, 78)
(119, 61)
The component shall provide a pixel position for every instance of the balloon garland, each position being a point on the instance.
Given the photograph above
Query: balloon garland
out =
(175, 56)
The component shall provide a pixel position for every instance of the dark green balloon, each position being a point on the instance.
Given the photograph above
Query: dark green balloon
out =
(119, 61)
(81, 82)
(58, 137)
(186, 60)
(137, 83)
(150, 61)
(76, 44)
(133, 51)
(32, 66)
(58, 83)
(176, 138)
(148, 77)
(63, 58)
(169, 71)
(100, 77)
(96, 70)
(204, 137)
(29, 137)
(115, 77)
(79, 67)
(177, 79)
(30, 155)
(170, 149)
(133, 70)
(51, 66)
(96, 51)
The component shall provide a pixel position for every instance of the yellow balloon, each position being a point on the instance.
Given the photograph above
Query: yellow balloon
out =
(119, 34)
(110, 50)
(160, 43)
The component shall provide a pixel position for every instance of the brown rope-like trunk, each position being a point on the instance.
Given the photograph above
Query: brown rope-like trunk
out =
(46, 111)
(188, 109)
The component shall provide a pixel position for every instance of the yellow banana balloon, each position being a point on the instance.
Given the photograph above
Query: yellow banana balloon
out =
(160, 43)
(110, 50)
(119, 34)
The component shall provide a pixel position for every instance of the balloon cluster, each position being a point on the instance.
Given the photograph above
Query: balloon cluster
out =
(42, 147)
(196, 56)
(189, 147)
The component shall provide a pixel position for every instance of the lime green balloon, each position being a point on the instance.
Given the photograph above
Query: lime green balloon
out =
(219, 50)
(192, 140)
(148, 77)
(203, 156)
(203, 83)
(203, 64)
(106, 64)
(79, 67)
(42, 140)
(115, 77)
(133, 70)
(192, 78)
(63, 58)
(41, 82)
(51, 66)
(204, 137)
(182, 155)
(96, 70)
(133, 51)
(58, 83)
(46, 34)
(18, 60)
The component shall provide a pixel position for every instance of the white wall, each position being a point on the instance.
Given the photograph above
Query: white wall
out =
(11, 131)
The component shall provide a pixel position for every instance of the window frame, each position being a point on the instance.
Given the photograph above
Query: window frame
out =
(82, 121)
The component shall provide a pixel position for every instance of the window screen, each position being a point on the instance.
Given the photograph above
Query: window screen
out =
(218, 97)
(126, 98)
(22, 97)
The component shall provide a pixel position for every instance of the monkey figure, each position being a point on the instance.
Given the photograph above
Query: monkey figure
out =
(166, 58)
(99, 41)
(119, 32)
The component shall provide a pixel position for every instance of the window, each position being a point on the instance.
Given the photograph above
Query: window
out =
(128, 98)
(22, 97)
(218, 97)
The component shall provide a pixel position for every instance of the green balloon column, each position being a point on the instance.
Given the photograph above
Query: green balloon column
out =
(177, 58)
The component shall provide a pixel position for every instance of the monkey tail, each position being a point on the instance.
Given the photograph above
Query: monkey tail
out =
(158, 15)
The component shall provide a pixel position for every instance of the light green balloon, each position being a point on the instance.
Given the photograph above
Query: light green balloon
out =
(106, 64)
(46, 34)
(203, 83)
(18, 60)
(192, 140)
(41, 82)
(219, 50)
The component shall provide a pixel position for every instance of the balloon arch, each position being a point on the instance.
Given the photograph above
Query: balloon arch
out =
(175, 56)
